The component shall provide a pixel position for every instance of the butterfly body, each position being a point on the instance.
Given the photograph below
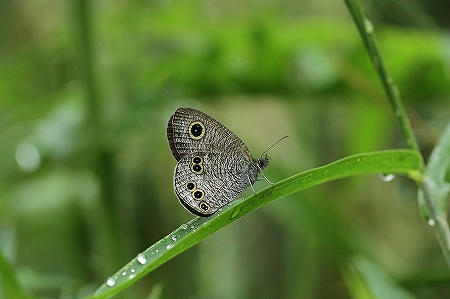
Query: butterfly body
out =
(214, 165)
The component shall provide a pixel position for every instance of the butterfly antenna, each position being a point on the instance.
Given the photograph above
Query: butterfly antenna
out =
(273, 145)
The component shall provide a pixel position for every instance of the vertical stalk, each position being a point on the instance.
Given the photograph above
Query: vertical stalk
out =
(101, 156)
(86, 63)
(366, 30)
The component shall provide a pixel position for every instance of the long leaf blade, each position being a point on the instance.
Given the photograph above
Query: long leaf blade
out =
(406, 162)
(437, 168)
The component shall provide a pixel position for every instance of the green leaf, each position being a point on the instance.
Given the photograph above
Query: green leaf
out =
(356, 284)
(367, 280)
(406, 162)
(435, 174)
(9, 284)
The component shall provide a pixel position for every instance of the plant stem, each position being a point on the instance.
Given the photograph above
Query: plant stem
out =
(365, 28)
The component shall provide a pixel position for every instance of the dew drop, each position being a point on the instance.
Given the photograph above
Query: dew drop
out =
(235, 213)
(110, 282)
(431, 222)
(141, 259)
(174, 238)
(170, 245)
(132, 270)
(124, 273)
(183, 226)
(387, 177)
(157, 250)
(132, 276)
(368, 25)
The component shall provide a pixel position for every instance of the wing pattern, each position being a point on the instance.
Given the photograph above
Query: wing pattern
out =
(225, 167)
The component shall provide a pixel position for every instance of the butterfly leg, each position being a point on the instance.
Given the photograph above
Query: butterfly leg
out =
(267, 180)
(250, 182)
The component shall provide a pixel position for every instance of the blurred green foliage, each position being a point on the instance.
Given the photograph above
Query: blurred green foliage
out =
(86, 173)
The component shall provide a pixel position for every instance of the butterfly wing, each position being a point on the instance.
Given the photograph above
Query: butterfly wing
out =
(191, 131)
(220, 178)
(225, 161)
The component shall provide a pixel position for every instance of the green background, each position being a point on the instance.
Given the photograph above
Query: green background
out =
(86, 172)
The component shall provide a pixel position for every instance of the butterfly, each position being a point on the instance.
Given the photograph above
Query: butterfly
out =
(214, 165)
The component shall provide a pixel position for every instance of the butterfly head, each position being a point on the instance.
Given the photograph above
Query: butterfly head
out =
(263, 162)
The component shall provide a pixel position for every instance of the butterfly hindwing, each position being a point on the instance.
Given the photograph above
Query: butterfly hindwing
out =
(204, 182)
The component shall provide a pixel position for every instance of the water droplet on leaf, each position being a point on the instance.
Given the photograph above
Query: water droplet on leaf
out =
(111, 281)
(387, 177)
(141, 259)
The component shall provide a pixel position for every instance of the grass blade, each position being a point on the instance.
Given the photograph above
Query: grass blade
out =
(434, 190)
(406, 162)
(367, 280)
(437, 168)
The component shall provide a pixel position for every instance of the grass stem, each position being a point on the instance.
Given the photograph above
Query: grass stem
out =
(366, 30)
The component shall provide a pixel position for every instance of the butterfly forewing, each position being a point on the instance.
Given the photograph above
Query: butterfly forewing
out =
(217, 138)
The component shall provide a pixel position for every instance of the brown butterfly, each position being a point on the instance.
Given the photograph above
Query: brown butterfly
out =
(214, 165)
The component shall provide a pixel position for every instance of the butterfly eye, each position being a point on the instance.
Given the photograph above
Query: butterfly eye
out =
(191, 186)
(196, 130)
(197, 169)
(198, 194)
(197, 160)
(204, 206)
